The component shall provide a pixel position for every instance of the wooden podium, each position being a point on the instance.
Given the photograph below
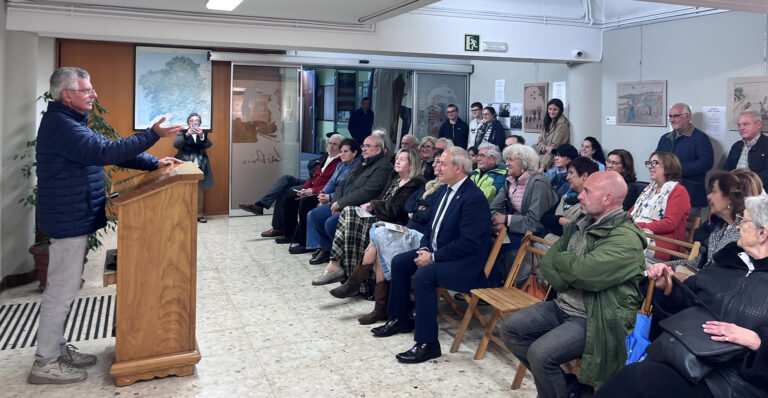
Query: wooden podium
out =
(156, 274)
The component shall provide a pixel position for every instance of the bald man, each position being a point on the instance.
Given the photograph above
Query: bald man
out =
(410, 141)
(596, 268)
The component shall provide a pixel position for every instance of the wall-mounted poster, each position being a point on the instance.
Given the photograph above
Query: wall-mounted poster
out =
(509, 114)
(641, 103)
(171, 82)
(534, 106)
(747, 93)
(434, 91)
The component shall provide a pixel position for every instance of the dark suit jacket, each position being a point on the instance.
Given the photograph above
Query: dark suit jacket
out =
(465, 233)
(757, 159)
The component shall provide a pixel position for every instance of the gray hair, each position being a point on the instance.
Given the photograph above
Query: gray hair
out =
(751, 112)
(460, 158)
(336, 136)
(65, 78)
(411, 139)
(428, 138)
(685, 107)
(447, 141)
(758, 209)
(378, 136)
(526, 155)
(493, 151)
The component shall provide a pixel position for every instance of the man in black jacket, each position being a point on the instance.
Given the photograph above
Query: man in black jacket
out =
(454, 128)
(751, 151)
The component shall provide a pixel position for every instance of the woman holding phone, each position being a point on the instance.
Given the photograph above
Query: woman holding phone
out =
(191, 144)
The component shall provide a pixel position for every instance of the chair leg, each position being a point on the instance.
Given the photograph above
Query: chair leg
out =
(478, 316)
(518, 381)
(480, 353)
(471, 307)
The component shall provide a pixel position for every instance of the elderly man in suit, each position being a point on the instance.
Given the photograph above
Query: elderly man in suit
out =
(452, 254)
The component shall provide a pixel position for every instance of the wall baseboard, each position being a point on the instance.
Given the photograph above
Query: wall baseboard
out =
(18, 279)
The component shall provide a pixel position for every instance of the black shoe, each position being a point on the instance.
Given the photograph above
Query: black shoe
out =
(320, 257)
(460, 297)
(283, 240)
(420, 352)
(393, 327)
(299, 249)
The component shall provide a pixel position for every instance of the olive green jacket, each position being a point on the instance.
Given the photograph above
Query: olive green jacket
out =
(608, 273)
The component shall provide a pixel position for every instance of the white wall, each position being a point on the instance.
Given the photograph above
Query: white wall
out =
(516, 74)
(696, 56)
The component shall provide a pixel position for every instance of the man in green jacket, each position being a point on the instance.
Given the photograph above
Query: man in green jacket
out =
(595, 267)
(489, 175)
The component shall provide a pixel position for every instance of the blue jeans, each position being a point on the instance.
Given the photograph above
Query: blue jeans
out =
(282, 186)
(321, 226)
(542, 337)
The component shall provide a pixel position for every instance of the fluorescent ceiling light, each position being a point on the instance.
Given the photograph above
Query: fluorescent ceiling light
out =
(223, 5)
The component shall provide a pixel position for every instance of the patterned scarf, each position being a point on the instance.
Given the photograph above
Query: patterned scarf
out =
(650, 205)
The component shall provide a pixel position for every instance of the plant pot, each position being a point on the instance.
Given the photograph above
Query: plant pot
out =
(39, 252)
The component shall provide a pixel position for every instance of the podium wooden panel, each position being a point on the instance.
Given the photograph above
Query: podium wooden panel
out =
(156, 274)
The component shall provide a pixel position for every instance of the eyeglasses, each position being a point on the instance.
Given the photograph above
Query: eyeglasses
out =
(85, 90)
(677, 115)
(476, 110)
(486, 113)
(740, 219)
(451, 111)
(612, 163)
(481, 155)
(426, 147)
(652, 163)
(366, 146)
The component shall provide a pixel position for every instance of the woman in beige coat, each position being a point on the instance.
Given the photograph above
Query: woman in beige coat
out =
(556, 131)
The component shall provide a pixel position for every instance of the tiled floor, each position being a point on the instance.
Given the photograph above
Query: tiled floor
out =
(264, 331)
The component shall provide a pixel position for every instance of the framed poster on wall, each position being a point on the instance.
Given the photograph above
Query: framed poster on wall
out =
(747, 93)
(534, 106)
(171, 82)
(641, 103)
(434, 92)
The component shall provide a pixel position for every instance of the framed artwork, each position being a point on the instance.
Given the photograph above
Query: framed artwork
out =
(641, 103)
(171, 82)
(747, 93)
(534, 106)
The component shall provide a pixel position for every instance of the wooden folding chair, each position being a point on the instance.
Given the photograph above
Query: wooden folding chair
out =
(446, 295)
(504, 300)
(691, 225)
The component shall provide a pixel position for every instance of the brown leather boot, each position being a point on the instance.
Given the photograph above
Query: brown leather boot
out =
(379, 313)
(352, 285)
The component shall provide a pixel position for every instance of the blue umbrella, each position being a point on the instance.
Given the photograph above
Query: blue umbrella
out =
(637, 341)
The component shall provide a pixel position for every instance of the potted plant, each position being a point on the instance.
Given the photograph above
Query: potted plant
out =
(39, 249)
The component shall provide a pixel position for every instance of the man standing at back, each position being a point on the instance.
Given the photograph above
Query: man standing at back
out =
(596, 268)
(454, 128)
(361, 121)
(751, 152)
(71, 200)
(694, 150)
(477, 120)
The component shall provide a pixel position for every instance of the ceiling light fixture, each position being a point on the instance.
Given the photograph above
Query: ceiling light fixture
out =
(223, 5)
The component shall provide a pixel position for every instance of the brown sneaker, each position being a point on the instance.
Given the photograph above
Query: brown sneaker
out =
(252, 208)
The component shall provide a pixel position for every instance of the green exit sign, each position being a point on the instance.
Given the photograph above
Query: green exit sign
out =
(472, 43)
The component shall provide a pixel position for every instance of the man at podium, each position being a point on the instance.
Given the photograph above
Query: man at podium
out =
(71, 200)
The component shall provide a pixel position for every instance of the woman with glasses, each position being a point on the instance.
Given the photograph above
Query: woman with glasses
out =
(734, 289)
(491, 130)
(621, 161)
(192, 144)
(591, 148)
(663, 206)
(427, 156)
(555, 131)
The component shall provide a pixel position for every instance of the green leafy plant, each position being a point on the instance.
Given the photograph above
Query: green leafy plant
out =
(97, 123)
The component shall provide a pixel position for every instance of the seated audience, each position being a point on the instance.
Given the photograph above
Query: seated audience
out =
(310, 189)
(386, 244)
(489, 175)
(443, 143)
(451, 256)
(568, 208)
(427, 155)
(514, 139)
(348, 155)
(563, 155)
(751, 152)
(662, 208)
(491, 130)
(592, 149)
(622, 162)
(409, 141)
(734, 288)
(351, 237)
(472, 151)
(556, 131)
(365, 181)
(596, 268)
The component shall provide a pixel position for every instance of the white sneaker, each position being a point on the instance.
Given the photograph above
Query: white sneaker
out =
(55, 372)
(77, 359)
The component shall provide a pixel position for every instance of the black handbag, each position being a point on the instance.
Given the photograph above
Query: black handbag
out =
(684, 346)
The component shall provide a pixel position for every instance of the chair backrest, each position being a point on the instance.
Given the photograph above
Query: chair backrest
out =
(692, 248)
(691, 225)
(502, 232)
(526, 247)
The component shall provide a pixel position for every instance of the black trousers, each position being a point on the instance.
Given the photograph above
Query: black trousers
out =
(295, 211)
(651, 379)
